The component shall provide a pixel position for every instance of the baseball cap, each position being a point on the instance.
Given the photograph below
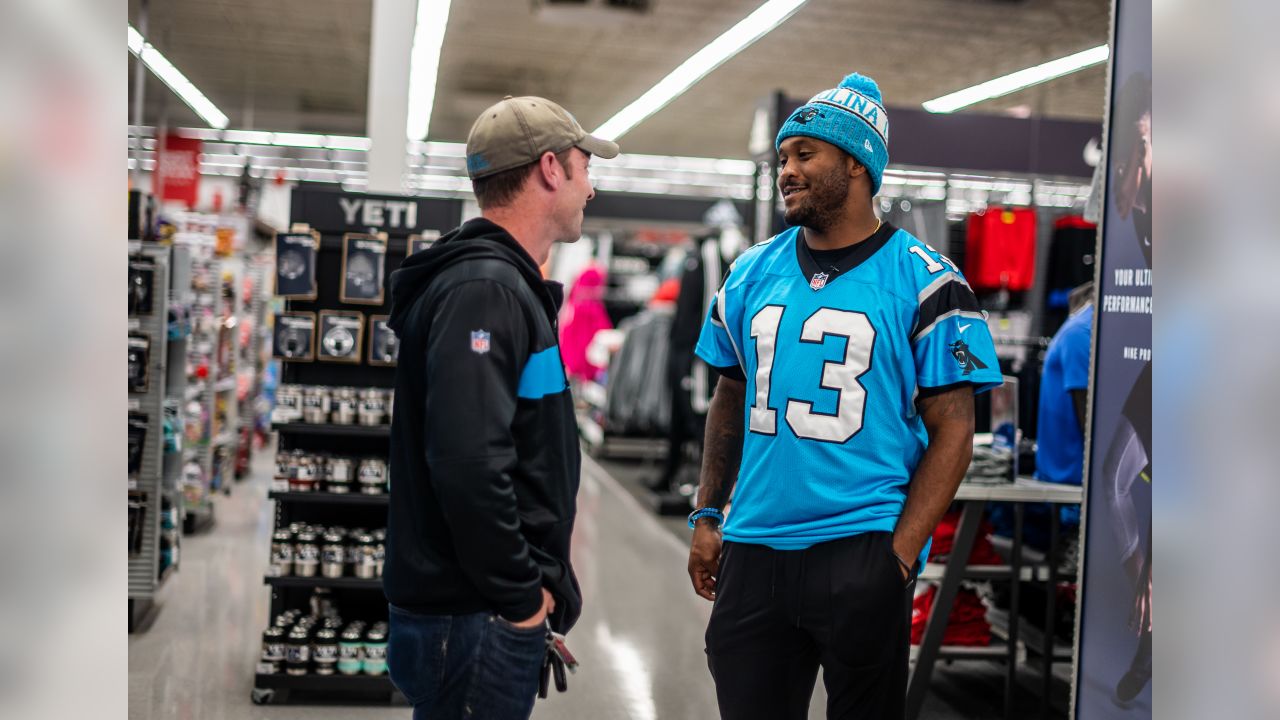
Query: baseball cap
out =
(518, 130)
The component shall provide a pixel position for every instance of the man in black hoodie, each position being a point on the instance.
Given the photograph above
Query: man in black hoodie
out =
(484, 443)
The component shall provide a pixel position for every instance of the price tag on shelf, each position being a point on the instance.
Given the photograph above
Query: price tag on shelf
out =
(133, 484)
(135, 324)
(135, 404)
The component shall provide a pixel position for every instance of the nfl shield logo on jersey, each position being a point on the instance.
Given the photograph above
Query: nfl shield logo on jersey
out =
(479, 342)
(819, 281)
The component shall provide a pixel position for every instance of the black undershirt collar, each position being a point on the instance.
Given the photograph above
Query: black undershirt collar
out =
(834, 263)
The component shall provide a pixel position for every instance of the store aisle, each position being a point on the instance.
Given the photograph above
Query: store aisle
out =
(639, 639)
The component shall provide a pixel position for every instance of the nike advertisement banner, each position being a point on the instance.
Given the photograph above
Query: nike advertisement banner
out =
(1113, 677)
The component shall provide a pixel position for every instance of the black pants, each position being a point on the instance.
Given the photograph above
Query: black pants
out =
(779, 615)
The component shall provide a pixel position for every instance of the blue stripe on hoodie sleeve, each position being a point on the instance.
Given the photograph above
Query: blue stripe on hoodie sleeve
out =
(543, 375)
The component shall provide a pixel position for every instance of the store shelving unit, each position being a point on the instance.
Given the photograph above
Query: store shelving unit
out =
(363, 431)
(254, 354)
(356, 598)
(324, 498)
(148, 487)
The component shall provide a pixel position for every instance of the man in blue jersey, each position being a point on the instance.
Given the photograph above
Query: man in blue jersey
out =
(1064, 390)
(842, 424)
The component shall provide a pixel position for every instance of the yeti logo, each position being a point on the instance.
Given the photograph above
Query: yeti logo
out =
(806, 115)
(968, 362)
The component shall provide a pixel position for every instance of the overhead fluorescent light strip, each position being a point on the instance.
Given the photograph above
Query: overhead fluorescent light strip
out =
(753, 27)
(1014, 82)
(424, 65)
(160, 66)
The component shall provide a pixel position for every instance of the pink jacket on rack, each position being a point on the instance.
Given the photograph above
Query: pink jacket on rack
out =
(582, 317)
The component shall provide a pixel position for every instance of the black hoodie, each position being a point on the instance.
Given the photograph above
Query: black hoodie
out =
(484, 442)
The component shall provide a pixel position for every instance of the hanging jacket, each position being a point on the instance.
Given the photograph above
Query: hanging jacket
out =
(584, 315)
(484, 442)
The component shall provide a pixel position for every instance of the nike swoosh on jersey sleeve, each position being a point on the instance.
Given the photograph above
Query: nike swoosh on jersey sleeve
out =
(948, 296)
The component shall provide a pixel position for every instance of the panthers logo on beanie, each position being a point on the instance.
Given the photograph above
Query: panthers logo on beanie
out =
(805, 115)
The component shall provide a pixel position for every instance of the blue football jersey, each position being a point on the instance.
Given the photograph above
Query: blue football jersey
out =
(833, 365)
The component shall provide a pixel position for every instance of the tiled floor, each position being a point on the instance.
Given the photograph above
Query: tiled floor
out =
(639, 638)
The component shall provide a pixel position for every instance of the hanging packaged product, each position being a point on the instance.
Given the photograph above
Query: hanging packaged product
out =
(295, 336)
(137, 443)
(137, 520)
(418, 243)
(142, 274)
(363, 266)
(296, 265)
(139, 362)
(340, 335)
(384, 345)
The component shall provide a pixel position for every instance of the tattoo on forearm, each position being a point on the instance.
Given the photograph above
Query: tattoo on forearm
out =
(721, 457)
(722, 450)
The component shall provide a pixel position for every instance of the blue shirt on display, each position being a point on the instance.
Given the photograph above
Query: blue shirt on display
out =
(834, 359)
(1060, 447)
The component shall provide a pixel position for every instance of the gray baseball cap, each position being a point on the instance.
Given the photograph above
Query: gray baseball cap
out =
(517, 131)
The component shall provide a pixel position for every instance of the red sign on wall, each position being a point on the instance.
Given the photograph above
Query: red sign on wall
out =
(178, 169)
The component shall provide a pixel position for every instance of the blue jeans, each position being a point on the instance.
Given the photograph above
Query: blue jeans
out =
(465, 666)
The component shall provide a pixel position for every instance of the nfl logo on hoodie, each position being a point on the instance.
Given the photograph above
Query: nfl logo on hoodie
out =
(479, 342)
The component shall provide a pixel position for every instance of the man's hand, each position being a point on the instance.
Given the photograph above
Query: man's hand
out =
(704, 558)
(548, 606)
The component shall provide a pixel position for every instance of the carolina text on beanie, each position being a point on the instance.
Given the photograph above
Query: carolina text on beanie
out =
(851, 117)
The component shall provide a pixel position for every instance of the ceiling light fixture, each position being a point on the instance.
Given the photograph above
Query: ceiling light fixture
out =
(1016, 81)
(424, 65)
(160, 66)
(753, 27)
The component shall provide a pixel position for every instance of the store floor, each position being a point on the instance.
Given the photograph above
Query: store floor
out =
(639, 639)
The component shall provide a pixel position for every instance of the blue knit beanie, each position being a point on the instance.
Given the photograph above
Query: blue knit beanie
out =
(851, 117)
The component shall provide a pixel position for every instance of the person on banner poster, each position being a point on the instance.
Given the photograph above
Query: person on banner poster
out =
(1128, 460)
(1131, 165)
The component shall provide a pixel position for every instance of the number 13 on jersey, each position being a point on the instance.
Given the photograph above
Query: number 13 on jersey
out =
(840, 376)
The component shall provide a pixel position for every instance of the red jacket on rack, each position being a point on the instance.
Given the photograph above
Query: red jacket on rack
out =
(1000, 249)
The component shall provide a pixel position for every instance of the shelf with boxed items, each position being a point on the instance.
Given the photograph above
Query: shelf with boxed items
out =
(321, 652)
(328, 498)
(341, 683)
(352, 583)
(333, 408)
(301, 428)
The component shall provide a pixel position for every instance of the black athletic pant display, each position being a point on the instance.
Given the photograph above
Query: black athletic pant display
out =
(780, 615)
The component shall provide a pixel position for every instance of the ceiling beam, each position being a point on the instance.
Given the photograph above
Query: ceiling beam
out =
(390, 51)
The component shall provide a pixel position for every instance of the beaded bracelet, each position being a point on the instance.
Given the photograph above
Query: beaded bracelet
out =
(706, 512)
